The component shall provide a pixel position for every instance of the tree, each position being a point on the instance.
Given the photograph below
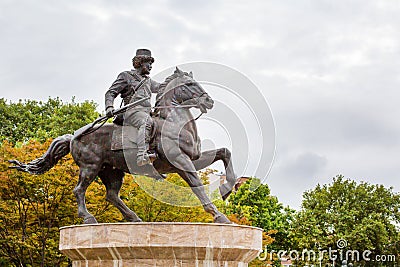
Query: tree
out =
(33, 207)
(30, 119)
(254, 205)
(171, 200)
(261, 209)
(351, 216)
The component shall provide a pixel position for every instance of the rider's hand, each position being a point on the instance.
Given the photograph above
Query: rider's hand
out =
(110, 112)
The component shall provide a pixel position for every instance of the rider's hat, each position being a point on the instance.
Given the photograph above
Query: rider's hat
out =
(142, 52)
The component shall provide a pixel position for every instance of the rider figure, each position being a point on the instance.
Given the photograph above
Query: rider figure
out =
(130, 85)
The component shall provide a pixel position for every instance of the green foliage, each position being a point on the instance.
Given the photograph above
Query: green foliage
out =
(254, 205)
(262, 210)
(163, 201)
(364, 215)
(32, 208)
(30, 119)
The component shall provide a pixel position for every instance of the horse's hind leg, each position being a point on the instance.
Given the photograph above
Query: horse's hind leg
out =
(198, 189)
(187, 171)
(209, 157)
(87, 174)
(112, 179)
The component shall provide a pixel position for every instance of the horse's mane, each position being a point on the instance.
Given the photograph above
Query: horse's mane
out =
(161, 90)
(164, 84)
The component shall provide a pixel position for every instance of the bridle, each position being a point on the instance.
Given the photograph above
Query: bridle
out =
(180, 96)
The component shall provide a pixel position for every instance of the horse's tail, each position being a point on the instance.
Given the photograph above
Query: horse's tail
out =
(58, 149)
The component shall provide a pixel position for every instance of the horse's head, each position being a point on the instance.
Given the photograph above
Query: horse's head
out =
(181, 89)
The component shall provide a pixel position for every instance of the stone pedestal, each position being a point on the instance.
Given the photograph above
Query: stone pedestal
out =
(160, 244)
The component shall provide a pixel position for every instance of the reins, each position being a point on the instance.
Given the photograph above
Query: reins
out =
(179, 106)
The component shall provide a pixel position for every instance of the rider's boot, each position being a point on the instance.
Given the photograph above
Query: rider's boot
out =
(143, 139)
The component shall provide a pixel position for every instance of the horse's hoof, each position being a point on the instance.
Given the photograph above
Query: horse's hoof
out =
(90, 220)
(138, 220)
(221, 218)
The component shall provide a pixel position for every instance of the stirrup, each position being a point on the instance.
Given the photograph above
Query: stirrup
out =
(143, 158)
(152, 155)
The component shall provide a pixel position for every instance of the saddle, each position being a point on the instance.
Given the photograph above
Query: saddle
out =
(124, 137)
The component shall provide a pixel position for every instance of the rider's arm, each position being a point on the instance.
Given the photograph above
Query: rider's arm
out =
(118, 86)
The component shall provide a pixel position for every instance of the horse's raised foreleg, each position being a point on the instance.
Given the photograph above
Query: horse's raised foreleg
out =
(209, 157)
(86, 176)
(112, 179)
(188, 172)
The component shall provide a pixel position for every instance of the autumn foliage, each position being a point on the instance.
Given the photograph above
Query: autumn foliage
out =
(34, 207)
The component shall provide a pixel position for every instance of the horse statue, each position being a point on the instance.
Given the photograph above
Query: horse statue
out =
(175, 141)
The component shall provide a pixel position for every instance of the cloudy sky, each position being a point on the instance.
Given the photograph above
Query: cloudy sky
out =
(330, 70)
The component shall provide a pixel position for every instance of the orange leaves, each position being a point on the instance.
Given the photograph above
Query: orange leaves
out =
(235, 218)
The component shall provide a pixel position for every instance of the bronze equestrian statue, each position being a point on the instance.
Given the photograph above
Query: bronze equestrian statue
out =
(174, 140)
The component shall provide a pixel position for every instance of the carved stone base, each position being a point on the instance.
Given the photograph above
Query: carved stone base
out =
(160, 244)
